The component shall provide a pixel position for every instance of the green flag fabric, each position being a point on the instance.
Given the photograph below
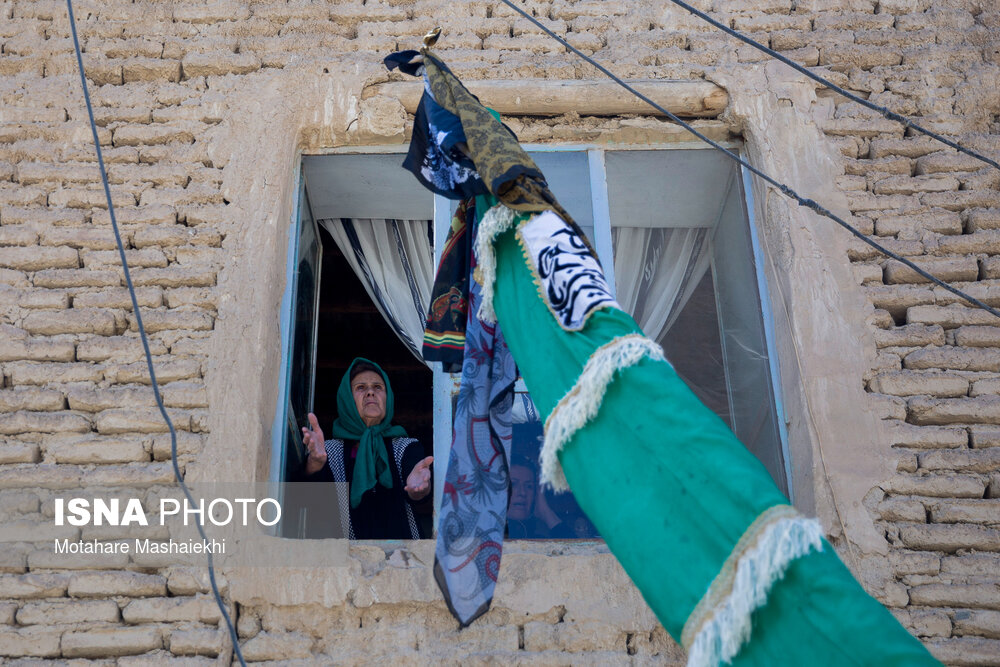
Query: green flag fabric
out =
(734, 572)
(731, 570)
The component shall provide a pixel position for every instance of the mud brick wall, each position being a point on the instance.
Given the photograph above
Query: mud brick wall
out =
(169, 80)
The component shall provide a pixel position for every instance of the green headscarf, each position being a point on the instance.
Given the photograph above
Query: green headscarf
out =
(372, 462)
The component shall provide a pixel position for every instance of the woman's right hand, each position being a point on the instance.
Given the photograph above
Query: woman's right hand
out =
(314, 442)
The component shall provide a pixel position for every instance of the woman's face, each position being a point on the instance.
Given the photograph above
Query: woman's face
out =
(522, 492)
(369, 397)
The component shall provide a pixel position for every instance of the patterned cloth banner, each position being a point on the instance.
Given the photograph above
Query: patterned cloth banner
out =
(440, 159)
(572, 278)
(474, 504)
(444, 335)
(435, 156)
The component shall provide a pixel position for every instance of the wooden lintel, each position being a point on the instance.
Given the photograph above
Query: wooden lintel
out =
(554, 97)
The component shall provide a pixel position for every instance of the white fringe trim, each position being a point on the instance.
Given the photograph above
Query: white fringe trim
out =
(722, 636)
(496, 221)
(581, 403)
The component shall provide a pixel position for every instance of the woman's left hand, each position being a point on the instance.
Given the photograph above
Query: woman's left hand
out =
(418, 482)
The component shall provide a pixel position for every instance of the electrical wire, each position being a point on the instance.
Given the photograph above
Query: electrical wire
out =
(787, 191)
(145, 341)
(887, 113)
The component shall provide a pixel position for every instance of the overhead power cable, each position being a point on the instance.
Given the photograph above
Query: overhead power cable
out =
(787, 191)
(888, 113)
(145, 341)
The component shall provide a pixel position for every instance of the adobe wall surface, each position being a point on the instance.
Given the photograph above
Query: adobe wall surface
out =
(892, 386)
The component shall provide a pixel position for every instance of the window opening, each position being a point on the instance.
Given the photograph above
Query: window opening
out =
(672, 229)
(351, 326)
(344, 321)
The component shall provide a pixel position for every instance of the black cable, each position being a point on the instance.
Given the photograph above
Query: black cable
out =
(145, 342)
(808, 203)
(891, 115)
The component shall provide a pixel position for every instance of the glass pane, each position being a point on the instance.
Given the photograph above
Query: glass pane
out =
(657, 270)
(295, 453)
(304, 334)
(675, 188)
(693, 347)
(568, 176)
(693, 288)
(365, 186)
(748, 372)
(534, 513)
(302, 365)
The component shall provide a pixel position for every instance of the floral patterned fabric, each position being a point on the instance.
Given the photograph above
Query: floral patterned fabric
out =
(474, 503)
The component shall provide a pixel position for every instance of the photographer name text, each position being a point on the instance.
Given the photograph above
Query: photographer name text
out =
(141, 546)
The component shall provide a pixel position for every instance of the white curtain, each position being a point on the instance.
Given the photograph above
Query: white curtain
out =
(395, 262)
(657, 270)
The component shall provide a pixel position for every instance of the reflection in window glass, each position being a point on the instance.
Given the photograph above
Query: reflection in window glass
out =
(657, 271)
(533, 513)
(692, 344)
(302, 365)
(304, 342)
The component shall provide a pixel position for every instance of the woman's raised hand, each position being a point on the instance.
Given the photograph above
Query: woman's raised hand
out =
(314, 442)
(418, 482)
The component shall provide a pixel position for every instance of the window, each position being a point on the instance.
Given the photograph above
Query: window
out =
(671, 227)
(353, 213)
(689, 269)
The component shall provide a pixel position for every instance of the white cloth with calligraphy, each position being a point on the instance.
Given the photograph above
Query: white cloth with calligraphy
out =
(571, 279)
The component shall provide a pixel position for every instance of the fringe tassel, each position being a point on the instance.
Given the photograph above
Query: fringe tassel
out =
(722, 636)
(581, 403)
(496, 221)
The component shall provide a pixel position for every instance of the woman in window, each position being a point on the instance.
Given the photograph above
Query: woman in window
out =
(387, 471)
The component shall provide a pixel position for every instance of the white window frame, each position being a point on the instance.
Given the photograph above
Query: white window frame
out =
(445, 385)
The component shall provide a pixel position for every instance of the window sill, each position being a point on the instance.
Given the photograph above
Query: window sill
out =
(535, 576)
